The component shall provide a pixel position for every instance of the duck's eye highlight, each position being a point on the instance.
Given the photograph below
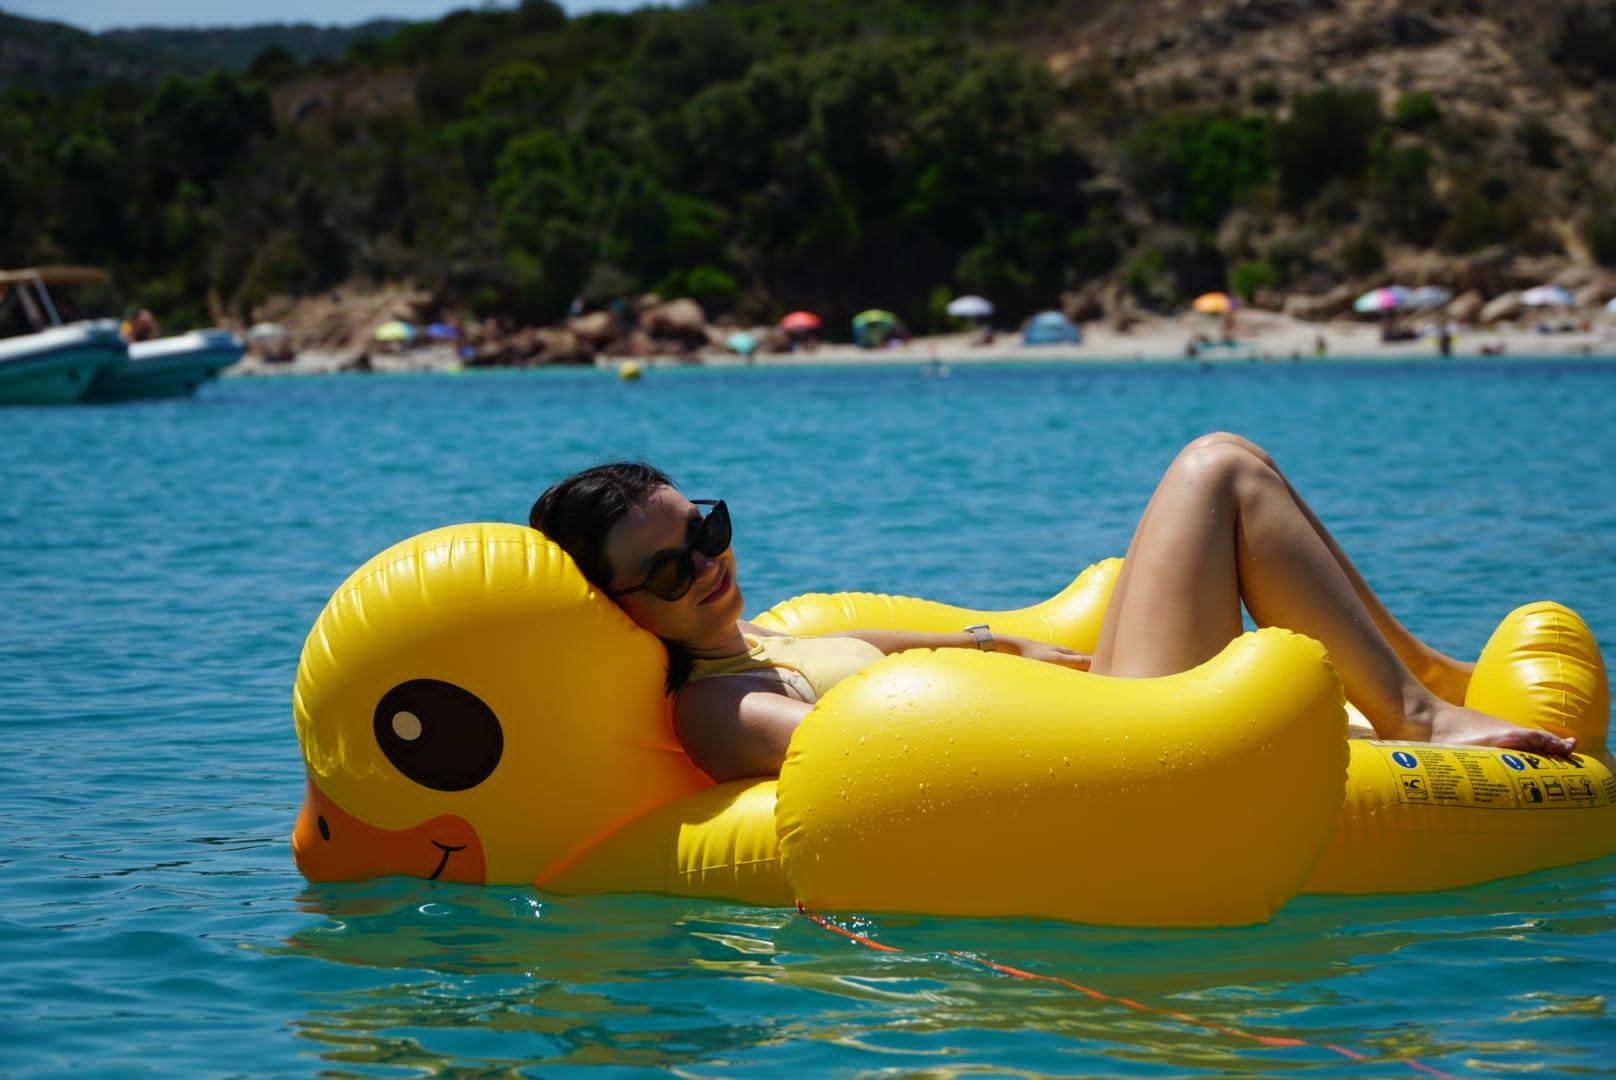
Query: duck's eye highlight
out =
(438, 734)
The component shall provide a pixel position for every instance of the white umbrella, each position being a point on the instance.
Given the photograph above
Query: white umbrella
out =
(1610, 306)
(264, 331)
(1547, 296)
(1429, 297)
(970, 307)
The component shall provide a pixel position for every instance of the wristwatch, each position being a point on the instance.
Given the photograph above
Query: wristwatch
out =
(983, 636)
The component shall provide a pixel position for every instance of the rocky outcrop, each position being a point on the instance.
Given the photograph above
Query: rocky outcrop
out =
(1502, 308)
(1329, 305)
(1467, 307)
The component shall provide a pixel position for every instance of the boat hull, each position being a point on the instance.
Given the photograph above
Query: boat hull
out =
(57, 366)
(168, 368)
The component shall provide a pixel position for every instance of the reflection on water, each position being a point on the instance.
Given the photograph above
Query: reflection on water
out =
(508, 977)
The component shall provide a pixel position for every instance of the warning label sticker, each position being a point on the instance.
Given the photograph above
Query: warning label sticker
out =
(1494, 780)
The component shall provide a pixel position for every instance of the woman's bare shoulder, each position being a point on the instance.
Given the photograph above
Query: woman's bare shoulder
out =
(759, 631)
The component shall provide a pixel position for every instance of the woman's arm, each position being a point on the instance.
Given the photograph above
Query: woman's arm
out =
(893, 641)
(732, 730)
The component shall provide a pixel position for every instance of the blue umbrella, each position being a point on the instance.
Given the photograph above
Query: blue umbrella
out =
(1050, 328)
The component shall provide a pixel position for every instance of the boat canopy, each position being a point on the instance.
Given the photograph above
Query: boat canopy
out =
(54, 275)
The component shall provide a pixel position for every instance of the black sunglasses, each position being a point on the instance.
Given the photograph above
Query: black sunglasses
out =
(674, 571)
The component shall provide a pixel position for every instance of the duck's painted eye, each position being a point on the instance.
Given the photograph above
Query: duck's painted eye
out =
(438, 734)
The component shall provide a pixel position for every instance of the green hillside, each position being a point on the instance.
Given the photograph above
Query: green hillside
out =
(58, 58)
(838, 155)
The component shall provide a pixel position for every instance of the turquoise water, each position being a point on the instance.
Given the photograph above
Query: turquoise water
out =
(160, 563)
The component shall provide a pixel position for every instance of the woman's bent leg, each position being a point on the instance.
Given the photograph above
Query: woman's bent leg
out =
(1222, 526)
(1443, 675)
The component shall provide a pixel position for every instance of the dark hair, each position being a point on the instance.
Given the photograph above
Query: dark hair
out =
(579, 511)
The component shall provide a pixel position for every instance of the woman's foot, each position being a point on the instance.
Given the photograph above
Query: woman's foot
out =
(1453, 724)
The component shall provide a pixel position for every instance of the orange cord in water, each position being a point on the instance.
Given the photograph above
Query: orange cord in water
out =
(1097, 995)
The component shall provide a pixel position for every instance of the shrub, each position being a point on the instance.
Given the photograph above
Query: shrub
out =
(1401, 196)
(1192, 167)
(1541, 144)
(1329, 135)
(1484, 214)
(1248, 277)
(1142, 276)
(1416, 111)
(1585, 39)
(713, 288)
(1360, 254)
(1600, 232)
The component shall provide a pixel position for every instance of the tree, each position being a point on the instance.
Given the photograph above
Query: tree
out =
(199, 127)
(1193, 167)
(1329, 134)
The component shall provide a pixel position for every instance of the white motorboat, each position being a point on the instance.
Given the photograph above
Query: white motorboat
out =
(168, 367)
(90, 361)
(55, 365)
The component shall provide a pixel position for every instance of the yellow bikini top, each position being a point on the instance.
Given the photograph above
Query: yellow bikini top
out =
(810, 666)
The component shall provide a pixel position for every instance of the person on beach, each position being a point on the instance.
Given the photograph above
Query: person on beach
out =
(1223, 528)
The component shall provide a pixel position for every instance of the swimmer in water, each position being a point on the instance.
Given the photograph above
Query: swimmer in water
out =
(1223, 529)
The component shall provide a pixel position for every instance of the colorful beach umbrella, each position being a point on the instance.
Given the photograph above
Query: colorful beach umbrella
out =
(875, 327)
(800, 322)
(440, 331)
(396, 330)
(1547, 296)
(1213, 303)
(742, 342)
(970, 307)
(1389, 298)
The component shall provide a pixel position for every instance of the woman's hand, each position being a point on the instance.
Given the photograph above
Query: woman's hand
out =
(1041, 650)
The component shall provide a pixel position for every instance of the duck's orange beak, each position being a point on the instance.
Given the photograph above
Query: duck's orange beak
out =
(330, 844)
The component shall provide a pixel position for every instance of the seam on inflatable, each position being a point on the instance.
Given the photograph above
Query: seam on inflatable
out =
(572, 858)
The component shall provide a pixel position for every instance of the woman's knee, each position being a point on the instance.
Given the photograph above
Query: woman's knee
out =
(1229, 438)
(1214, 468)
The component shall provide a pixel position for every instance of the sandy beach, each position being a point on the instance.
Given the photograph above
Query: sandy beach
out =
(1260, 336)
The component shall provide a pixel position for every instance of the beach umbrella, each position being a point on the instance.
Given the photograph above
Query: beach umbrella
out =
(442, 331)
(800, 322)
(1547, 296)
(395, 330)
(1213, 303)
(970, 307)
(1050, 328)
(874, 327)
(1610, 306)
(1429, 297)
(742, 342)
(1389, 298)
(266, 331)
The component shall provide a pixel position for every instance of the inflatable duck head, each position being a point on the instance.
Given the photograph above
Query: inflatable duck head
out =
(458, 703)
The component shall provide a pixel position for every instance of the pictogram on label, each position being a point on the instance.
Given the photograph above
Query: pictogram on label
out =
(1491, 780)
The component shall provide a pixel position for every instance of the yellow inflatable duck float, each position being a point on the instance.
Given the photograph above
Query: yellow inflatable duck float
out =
(470, 709)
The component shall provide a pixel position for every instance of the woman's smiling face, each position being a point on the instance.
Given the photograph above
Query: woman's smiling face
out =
(661, 525)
